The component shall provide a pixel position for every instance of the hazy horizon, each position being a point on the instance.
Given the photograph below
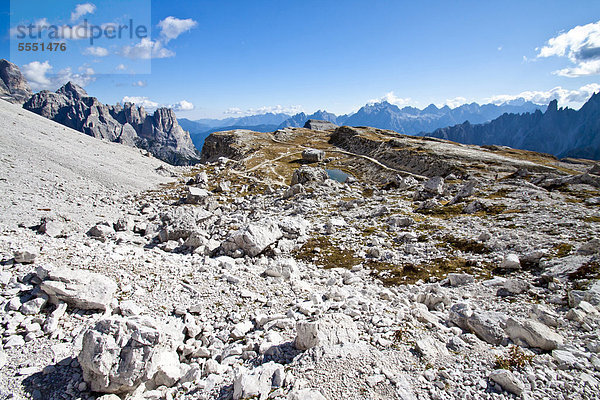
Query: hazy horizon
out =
(214, 60)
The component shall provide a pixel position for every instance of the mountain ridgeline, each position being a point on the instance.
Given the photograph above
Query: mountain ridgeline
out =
(159, 134)
(412, 121)
(562, 132)
(382, 115)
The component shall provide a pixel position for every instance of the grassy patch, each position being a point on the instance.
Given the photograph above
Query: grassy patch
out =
(500, 194)
(408, 273)
(589, 270)
(591, 218)
(321, 251)
(428, 226)
(465, 245)
(573, 200)
(581, 194)
(514, 359)
(368, 192)
(444, 212)
(562, 249)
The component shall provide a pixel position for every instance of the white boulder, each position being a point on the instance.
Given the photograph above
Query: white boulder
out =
(508, 381)
(78, 288)
(254, 238)
(116, 354)
(534, 333)
(511, 261)
(330, 330)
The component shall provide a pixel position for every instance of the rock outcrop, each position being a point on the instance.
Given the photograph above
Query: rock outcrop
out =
(13, 85)
(563, 132)
(234, 145)
(318, 125)
(116, 355)
(160, 134)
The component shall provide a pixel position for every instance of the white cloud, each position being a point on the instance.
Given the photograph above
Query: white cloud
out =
(182, 105)
(121, 67)
(35, 73)
(38, 75)
(96, 51)
(81, 10)
(39, 25)
(391, 98)
(146, 49)
(141, 101)
(584, 68)
(140, 83)
(565, 97)
(278, 109)
(581, 45)
(455, 102)
(233, 111)
(171, 27)
(148, 104)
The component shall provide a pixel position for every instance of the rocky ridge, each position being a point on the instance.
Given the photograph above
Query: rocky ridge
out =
(160, 134)
(563, 132)
(13, 85)
(434, 271)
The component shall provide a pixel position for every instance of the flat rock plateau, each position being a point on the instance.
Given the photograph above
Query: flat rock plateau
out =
(425, 269)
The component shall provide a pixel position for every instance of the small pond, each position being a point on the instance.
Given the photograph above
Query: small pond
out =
(337, 175)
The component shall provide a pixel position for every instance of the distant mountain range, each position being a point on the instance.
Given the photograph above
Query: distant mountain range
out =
(562, 132)
(298, 120)
(383, 115)
(412, 121)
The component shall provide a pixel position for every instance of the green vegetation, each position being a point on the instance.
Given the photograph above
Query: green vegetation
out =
(320, 250)
(514, 359)
(393, 274)
(562, 249)
(499, 194)
(591, 218)
(589, 270)
(443, 212)
(464, 245)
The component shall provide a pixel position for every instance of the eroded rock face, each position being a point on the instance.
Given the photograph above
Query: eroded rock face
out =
(318, 125)
(231, 144)
(13, 85)
(307, 174)
(160, 133)
(117, 352)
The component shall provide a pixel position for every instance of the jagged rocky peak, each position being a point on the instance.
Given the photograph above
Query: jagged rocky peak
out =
(165, 119)
(167, 140)
(135, 116)
(73, 91)
(159, 134)
(552, 107)
(13, 85)
(563, 132)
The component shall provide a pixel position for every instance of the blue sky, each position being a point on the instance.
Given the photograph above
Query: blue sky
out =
(227, 58)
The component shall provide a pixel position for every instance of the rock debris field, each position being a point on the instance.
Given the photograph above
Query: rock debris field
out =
(452, 272)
